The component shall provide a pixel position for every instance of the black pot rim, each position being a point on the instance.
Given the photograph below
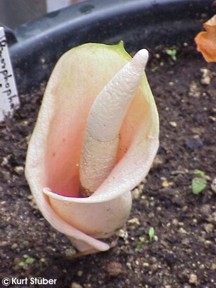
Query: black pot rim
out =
(139, 23)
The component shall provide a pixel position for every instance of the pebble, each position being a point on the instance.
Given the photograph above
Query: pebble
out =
(43, 260)
(3, 243)
(193, 279)
(5, 160)
(205, 210)
(136, 193)
(175, 222)
(173, 124)
(153, 260)
(70, 252)
(128, 264)
(134, 221)
(209, 228)
(151, 215)
(213, 217)
(166, 183)
(114, 268)
(194, 142)
(182, 231)
(194, 90)
(194, 221)
(32, 203)
(206, 76)
(156, 238)
(14, 246)
(80, 273)
(123, 234)
(76, 285)
(185, 241)
(213, 185)
(19, 170)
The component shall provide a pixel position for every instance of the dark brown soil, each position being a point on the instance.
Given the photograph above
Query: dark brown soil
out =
(183, 251)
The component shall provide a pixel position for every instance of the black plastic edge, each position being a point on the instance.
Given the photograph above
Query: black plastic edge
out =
(138, 23)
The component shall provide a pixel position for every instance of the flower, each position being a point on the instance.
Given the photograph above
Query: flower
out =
(206, 40)
(97, 102)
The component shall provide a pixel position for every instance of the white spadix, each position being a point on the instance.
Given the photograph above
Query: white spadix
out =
(104, 121)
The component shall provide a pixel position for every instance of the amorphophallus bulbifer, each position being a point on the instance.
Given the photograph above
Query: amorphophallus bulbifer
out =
(206, 40)
(95, 139)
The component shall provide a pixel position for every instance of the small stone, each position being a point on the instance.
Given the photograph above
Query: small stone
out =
(185, 241)
(76, 285)
(114, 268)
(193, 279)
(194, 90)
(156, 238)
(207, 243)
(173, 124)
(209, 228)
(185, 208)
(166, 183)
(14, 246)
(33, 204)
(175, 222)
(80, 273)
(182, 231)
(151, 215)
(213, 185)
(205, 210)
(206, 76)
(19, 170)
(5, 160)
(70, 252)
(194, 142)
(134, 221)
(128, 264)
(212, 118)
(194, 221)
(136, 193)
(153, 260)
(3, 243)
(123, 234)
(213, 217)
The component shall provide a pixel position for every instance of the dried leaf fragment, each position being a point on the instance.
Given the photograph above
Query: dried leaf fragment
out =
(206, 40)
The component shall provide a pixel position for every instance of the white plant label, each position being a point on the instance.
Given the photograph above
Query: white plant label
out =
(9, 99)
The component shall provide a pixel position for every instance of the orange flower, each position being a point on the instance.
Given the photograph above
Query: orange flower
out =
(206, 40)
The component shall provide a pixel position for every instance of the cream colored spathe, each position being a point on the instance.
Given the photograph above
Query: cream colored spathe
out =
(57, 145)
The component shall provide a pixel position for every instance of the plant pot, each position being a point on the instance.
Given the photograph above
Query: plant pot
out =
(138, 23)
(180, 250)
